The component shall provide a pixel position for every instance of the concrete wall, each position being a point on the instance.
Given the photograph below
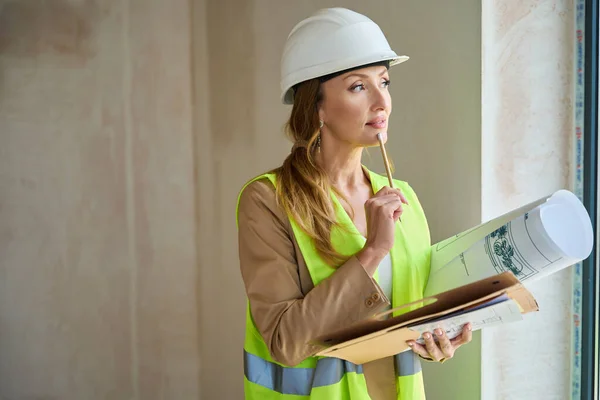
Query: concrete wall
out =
(98, 287)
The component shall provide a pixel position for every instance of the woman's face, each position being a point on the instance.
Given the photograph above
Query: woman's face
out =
(356, 106)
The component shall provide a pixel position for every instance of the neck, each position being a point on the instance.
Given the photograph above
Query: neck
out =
(343, 165)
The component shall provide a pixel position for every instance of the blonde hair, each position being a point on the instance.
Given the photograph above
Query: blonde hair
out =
(303, 188)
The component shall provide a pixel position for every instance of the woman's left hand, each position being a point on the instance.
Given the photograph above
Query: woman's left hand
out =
(444, 348)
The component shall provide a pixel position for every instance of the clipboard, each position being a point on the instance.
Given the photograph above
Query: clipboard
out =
(384, 336)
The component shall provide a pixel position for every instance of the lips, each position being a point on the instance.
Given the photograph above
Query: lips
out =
(377, 123)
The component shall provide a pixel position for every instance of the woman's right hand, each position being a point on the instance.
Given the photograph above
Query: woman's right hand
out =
(382, 212)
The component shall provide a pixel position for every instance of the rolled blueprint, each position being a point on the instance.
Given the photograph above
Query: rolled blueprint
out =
(533, 242)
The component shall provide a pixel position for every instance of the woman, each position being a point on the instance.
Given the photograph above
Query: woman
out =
(321, 242)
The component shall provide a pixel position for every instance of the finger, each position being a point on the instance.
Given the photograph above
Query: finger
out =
(444, 343)
(467, 333)
(432, 348)
(383, 191)
(387, 198)
(387, 204)
(465, 337)
(386, 190)
(394, 208)
(398, 214)
(390, 205)
(401, 195)
(419, 349)
(380, 200)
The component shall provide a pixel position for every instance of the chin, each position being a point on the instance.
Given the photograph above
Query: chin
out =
(373, 141)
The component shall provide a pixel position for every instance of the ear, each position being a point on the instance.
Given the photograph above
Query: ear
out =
(321, 111)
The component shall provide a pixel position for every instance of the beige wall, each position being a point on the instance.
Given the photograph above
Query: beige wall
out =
(98, 295)
(126, 132)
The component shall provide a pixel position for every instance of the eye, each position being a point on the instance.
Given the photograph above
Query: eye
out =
(386, 83)
(357, 88)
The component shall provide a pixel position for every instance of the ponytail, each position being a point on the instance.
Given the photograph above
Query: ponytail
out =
(303, 188)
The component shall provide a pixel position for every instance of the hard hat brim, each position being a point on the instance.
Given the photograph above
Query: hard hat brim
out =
(287, 96)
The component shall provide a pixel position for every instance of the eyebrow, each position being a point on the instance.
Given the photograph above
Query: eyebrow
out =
(364, 75)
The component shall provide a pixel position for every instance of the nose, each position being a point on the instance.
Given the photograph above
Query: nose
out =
(381, 99)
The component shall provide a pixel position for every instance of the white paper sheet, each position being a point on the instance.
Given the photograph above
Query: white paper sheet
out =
(493, 314)
(533, 241)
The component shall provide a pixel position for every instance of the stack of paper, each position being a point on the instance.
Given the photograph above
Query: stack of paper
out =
(497, 311)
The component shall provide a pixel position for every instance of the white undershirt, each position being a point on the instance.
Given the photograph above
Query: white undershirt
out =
(385, 276)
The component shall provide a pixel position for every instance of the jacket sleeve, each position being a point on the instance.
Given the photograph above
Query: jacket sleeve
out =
(286, 318)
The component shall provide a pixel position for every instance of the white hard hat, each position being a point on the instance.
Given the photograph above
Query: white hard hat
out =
(331, 40)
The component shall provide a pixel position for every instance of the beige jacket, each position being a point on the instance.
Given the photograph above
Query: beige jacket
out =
(286, 307)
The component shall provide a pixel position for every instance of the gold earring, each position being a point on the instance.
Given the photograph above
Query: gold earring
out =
(319, 137)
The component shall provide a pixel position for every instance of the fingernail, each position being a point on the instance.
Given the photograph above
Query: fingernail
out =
(469, 327)
(411, 344)
(439, 332)
(427, 336)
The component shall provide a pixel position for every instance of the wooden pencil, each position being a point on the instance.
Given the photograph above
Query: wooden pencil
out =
(386, 162)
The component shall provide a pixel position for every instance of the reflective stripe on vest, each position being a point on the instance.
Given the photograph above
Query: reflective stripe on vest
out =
(329, 378)
(329, 371)
(299, 381)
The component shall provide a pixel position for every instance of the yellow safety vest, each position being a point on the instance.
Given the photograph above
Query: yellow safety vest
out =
(323, 378)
